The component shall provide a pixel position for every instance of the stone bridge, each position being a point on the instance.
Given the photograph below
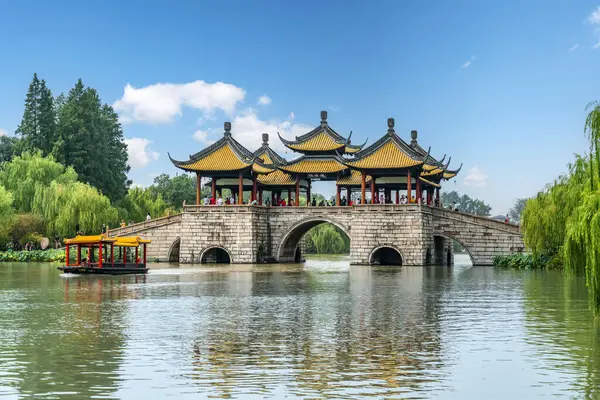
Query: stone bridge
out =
(385, 233)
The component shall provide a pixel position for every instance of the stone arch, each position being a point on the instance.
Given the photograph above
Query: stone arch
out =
(173, 254)
(384, 250)
(286, 251)
(459, 241)
(219, 254)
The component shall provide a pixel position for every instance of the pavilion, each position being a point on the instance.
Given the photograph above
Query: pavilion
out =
(389, 164)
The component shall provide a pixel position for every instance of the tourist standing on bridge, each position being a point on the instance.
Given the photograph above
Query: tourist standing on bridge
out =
(148, 218)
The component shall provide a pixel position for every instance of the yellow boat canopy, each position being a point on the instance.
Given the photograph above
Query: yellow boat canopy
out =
(89, 239)
(131, 241)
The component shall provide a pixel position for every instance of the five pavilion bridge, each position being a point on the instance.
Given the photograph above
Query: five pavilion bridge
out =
(408, 234)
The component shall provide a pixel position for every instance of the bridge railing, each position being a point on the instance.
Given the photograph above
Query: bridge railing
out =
(141, 226)
(480, 220)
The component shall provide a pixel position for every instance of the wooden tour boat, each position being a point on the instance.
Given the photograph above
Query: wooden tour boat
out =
(106, 255)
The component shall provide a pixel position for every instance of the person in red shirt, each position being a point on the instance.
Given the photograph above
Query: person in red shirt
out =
(283, 203)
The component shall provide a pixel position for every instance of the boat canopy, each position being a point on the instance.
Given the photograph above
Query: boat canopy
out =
(93, 239)
(131, 241)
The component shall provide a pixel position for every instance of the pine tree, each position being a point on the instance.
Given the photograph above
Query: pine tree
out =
(89, 138)
(38, 124)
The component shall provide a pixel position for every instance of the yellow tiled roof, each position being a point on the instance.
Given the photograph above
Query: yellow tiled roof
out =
(432, 172)
(437, 185)
(449, 175)
(319, 142)
(266, 159)
(387, 156)
(130, 241)
(429, 167)
(223, 159)
(276, 178)
(308, 166)
(261, 169)
(353, 179)
(351, 150)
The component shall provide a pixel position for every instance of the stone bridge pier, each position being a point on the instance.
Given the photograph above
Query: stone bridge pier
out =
(379, 234)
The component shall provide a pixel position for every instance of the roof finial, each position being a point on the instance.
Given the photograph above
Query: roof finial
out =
(323, 117)
(265, 137)
(391, 124)
(413, 137)
(227, 127)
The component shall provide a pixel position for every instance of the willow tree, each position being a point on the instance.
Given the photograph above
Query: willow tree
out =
(6, 213)
(67, 205)
(30, 171)
(139, 202)
(582, 241)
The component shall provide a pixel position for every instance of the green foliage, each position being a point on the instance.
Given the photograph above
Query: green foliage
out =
(326, 239)
(89, 138)
(563, 221)
(177, 189)
(25, 173)
(516, 211)
(139, 202)
(9, 147)
(38, 124)
(64, 206)
(25, 228)
(527, 261)
(50, 255)
(465, 203)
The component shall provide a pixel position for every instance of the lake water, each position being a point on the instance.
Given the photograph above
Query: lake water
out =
(322, 329)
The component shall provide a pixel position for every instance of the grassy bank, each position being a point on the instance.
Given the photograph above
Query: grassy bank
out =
(50, 255)
(527, 261)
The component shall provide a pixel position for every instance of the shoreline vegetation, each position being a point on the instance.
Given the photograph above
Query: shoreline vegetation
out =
(562, 223)
(48, 255)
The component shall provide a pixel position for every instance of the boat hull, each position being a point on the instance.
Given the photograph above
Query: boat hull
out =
(103, 270)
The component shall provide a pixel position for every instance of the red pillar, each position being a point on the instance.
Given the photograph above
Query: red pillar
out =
(100, 255)
(363, 185)
(67, 255)
(124, 255)
(437, 196)
(409, 187)
(144, 253)
(260, 196)
(136, 254)
(397, 196)
(418, 191)
(253, 187)
(213, 188)
(289, 199)
(112, 254)
(297, 190)
(373, 194)
(308, 193)
(338, 194)
(198, 184)
(241, 189)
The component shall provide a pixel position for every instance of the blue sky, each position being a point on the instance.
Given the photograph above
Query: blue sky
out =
(500, 86)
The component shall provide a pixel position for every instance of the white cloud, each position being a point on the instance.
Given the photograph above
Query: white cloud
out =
(3, 132)
(264, 100)
(476, 178)
(594, 17)
(162, 102)
(468, 63)
(202, 136)
(291, 116)
(247, 128)
(574, 47)
(138, 152)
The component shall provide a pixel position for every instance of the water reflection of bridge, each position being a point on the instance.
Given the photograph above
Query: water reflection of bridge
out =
(319, 332)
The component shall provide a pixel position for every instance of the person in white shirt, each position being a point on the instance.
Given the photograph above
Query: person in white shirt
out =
(220, 201)
(206, 201)
(148, 217)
